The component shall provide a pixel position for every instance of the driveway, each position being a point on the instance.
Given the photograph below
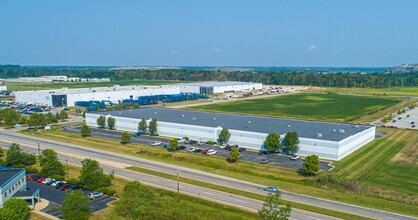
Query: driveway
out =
(252, 156)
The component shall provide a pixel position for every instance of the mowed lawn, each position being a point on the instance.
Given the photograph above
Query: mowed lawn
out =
(325, 107)
(389, 163)
(406, 90)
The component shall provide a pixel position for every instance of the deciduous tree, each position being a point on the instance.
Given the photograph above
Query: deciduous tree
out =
(50, 165)
(16, 157)
(292, 141)
(152, 127)
(272, 142)
(111, 122)
(75, 206)
(125, 138)
(85, 131)
(311, 164)
(273, 209)
(92, 176)
(15, 209)
(224, 136)
(234, 154)
(101, 121)
(142, 125)
(174, 143)
(63, 115)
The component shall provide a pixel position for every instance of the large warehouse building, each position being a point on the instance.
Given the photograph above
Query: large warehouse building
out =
(68, 97)
(327, 140)
(209, 88)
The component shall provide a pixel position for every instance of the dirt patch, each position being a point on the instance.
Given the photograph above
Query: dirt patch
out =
(409, 154)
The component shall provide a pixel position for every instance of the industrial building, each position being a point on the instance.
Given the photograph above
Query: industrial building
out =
(327, 140)
(60, 79)
(68, 97)
(208, 88)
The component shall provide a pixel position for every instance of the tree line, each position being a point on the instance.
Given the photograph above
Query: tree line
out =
(337, 79)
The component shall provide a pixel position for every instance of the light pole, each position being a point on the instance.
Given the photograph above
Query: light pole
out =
(178, 186)
(39, 149)
(66, 169)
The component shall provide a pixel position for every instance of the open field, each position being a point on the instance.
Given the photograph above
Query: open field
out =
(267, 175)
(27, 86)
(401, 91)
(324, 107)
(388, 163)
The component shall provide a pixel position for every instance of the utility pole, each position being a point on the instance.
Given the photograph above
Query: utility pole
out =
(178, 187)
(66, 169)
(39, 149)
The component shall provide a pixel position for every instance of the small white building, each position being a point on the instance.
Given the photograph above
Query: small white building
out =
(11, 182)
(328, 140)
(209, 88)
(3, 88)
(68, 97)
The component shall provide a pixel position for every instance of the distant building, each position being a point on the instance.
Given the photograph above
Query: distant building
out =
(60, 79)
(209, 88)
(3, 88)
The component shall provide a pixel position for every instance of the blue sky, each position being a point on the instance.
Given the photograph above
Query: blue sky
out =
(209, 33)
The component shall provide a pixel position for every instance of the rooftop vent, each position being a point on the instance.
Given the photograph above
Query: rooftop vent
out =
(214, 119)
(155, 113)
(182, 116)
(288, 126)
(318, 135)
(341, 131)
(194, 118)
(356, 126)
(120, 113)
(334, 130)
(249, 122)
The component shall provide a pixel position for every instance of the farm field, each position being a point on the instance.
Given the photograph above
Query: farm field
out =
(404, 91)
(389, 165)
(324, 107)
(27, 86)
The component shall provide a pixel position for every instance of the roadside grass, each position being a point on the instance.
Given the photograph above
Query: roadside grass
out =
(406, 90)
(366, 119)
(373, 164)
(251, 195)
(6, 98)
(286, 179)
(35, 216)
(324, 107)
(28, 86)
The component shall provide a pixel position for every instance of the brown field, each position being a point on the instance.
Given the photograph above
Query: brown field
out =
(409, 154)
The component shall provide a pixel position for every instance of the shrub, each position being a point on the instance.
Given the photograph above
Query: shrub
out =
(186, 138)
(32, 170)
(211, 142)
(73, 181)
(107, 190)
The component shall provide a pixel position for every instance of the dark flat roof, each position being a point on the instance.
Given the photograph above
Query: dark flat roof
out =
(305, 129)
(7, 174)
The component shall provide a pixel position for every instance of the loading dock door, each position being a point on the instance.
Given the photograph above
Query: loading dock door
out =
(59, 100)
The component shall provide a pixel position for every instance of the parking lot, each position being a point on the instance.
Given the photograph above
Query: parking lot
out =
(404, 120)
(56, 197)
(252, 156)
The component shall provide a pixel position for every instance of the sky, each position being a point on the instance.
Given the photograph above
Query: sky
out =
(358, 33)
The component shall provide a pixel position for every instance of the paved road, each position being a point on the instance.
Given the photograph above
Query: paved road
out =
(252, 156)
(6, 136)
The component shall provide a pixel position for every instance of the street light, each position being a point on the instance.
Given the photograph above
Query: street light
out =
(66, 169)
(178, 186)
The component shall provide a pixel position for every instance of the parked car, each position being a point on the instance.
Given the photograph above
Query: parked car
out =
(192, 149)
(201, 143)
(192, 142)
(227, 147)
(50, 182)
(240, 156)
(46, 180)
(30, 176)
(412, 122)
(94, 195)
(393, 120)
(64, 187)
(295, 157)
(197, 150)
(137, 134)
(211, 152)
(55, 183)
(271, 189)
(181, 147)
(166, 146)
(399, 118)
(155, 143)
(265, 160)
(36, 177)
(205, 151)
(262, 152)
(58, 185)
(74, 187)
(40, 179)
(242, 149)
(407, 116)
(222, 146)
(413, 126)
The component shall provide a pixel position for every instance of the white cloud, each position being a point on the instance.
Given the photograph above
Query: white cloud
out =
(217, 50)
(312, 47)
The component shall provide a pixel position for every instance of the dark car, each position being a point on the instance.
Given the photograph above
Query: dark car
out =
(59, 185)
(181, 147)
(64, 187)
(137, 134)
(262, 152)
(412, 122)
(36, 177)
(50, 182)
(198, 150)
(74, 187)
(192, 142)
(166, 146)
(227, 147)
(265, 160)
(241, 149)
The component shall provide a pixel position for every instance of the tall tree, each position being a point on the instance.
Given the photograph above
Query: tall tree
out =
(174, 143)
(92, 176)
(111, 122)
(224, 136)
(142, 125)
(50, 165)
(10, 116)
(273, 208)
(152, 127)
(101, 121)
(311, 164)
(51, 119)
(125, 138)
(75, 206)
(63, 115)
(15, 209)
(85, 130)
(37, 120)
(291, 140)
(16, 157)
(272, 142)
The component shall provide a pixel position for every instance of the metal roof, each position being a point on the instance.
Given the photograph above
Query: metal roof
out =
(7, 174)
(305, 129)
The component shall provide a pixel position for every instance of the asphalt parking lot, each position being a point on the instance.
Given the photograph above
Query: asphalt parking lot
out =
(252, 156)
(56, 197)
(404, 120)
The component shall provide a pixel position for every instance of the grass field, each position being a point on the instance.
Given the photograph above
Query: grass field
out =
(404, 91)
(286, 179)
(27, 86)
(324, 107)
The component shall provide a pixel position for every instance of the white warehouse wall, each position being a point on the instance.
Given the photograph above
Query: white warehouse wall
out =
(249, 86)
(325, 149)
(42, 97)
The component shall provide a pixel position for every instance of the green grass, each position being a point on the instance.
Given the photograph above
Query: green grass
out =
(373, 163)
(27, 86)
(406, 90)
(286, 179)
(256, 196)
(324, 107)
